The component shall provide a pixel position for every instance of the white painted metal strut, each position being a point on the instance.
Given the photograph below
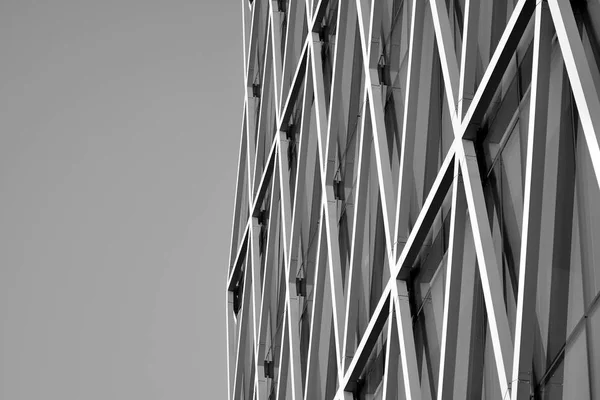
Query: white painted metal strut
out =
(522, 370)
(486, 260)
(580, 76)
(452, 291)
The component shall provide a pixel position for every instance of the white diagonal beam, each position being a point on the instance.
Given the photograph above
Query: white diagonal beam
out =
(291, 298)
(311, 390)
(469, 56)
(244, 53)
(370, 38)
(255, 205)
(368, 341)
(409, 124)
(300, 181)
(448, 347)
(408, 354)
(580, 76)
(239, 186)
(338, 110)
(230, 328)
(390, 368)
(275, 22)
(522, 373)
(488, 267)
(492, 77)
(254, 266)
(445, 45)
(327, 156)
(243, 334)
(256, 150)
(353, 275)
(284, 360)
(293, 42)
(429, 211)
(269, 272)
(251, 54)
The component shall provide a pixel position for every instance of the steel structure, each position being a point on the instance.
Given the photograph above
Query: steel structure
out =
(417, 212)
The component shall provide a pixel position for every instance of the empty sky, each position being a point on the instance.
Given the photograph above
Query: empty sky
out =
(119, 132)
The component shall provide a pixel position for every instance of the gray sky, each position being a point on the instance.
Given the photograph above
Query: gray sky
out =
(119, 132)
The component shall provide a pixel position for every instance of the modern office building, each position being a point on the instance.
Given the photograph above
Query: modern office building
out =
(417, 212)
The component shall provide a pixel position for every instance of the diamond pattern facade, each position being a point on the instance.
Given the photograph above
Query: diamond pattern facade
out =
(417, 210)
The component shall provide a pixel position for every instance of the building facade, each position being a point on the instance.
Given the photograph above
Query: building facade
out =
(417, 209)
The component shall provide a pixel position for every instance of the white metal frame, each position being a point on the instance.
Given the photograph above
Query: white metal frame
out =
(297, 81)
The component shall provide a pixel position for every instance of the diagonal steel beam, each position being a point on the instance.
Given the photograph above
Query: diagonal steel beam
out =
(496, 68)
(580, 76)
(291, 298)
(269, 273)
(488, 267)
(239, 195)
(376, 115)
(293, 40)
(408, 354)
(243, 334)
(409, 123)
(448, 60)
(310, 388)
(327, 156)
(469, 58)
(522, 371)
(353, 275)
(429, 211)
(448, 347)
